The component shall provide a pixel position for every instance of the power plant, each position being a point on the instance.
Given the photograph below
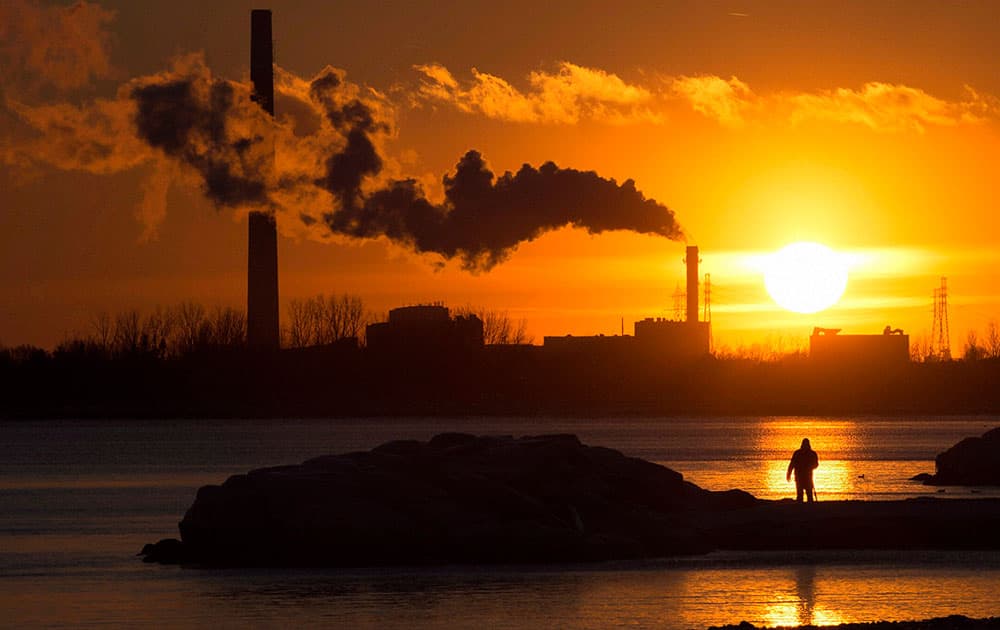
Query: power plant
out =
(654, 337)
(424, 329)
(687, 339)
(828, 347)
(431, 326)
(263, 329)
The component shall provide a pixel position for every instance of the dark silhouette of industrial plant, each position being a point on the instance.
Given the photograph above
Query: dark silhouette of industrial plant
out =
(661, 338)
(332, 358)
(804, 461)
(828, 346)
(424, 329)
(427, 359)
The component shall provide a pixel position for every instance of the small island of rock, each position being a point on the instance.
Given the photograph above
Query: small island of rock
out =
(975, 461)
(454, 499)
(466, 499)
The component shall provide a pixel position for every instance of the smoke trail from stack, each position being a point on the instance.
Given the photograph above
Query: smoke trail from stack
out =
(482, 219)
(321, 166)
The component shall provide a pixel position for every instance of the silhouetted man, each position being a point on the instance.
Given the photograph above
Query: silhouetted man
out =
(804, 462)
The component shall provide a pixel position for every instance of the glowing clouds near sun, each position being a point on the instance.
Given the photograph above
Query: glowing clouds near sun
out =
(326, 166)
(805, 277)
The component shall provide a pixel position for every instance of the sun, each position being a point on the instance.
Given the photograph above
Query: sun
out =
(805, 277)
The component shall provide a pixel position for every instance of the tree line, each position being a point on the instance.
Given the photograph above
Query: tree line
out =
(189, 328)
(987, 346)
(499, 328)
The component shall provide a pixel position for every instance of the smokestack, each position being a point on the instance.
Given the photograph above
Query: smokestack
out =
(262, 250)
(692, 283)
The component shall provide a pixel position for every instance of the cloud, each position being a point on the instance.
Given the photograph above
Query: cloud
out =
(62, 46)
(570, 94)
(574, 93)
(883, 107)
(889, 107)
(728, 101)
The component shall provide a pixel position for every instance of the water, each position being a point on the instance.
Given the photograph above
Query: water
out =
(78, 499)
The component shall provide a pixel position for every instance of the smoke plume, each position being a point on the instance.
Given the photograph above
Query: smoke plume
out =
(60, 46)
(482, 220)
(320, 166)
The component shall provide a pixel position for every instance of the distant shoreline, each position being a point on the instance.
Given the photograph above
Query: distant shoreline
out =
(953, 622)
(345, 382)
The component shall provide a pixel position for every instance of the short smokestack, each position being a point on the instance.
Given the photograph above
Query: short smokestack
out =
(262, 250)
(692, 283)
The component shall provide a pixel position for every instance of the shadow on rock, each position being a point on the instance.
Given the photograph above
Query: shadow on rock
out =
(454, 499)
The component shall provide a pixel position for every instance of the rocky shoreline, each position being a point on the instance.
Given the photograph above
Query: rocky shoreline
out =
(470, 499)
(953, 622)
(975, 461)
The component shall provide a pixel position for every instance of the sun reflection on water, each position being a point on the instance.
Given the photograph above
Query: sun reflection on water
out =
(831, 439)
(832, 479)
(800, 608)
(798, 614)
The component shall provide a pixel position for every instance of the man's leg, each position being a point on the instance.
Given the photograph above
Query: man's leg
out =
(798, 491)
(810, 493)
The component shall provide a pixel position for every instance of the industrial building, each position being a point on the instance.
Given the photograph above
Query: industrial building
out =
(665, 337)
(653, 337)
(590, 345)
(827, 346)
(425, 328)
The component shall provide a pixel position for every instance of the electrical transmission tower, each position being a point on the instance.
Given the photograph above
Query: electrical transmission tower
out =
(679, 298)
(940, 337)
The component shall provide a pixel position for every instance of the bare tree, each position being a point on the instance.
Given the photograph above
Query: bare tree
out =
(102, 332)
(157, 331)
(305, 316)
(165, 331)
(347, 315)
(992, 341)
(498, 327)
(322, 320)
(775, 348)
(228, 328)
(127, 335)
(298, 328)
(190, 327)
(972, 351)
(920, 349)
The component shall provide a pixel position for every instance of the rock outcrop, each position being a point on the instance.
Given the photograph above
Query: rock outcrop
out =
(975, 461)
(465, 499)
(454, 499)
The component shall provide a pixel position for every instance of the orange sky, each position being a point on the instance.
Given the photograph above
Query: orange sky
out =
(870, 127)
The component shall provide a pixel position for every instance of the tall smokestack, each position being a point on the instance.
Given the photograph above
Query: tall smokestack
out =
(692, 283)
(262, 250)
